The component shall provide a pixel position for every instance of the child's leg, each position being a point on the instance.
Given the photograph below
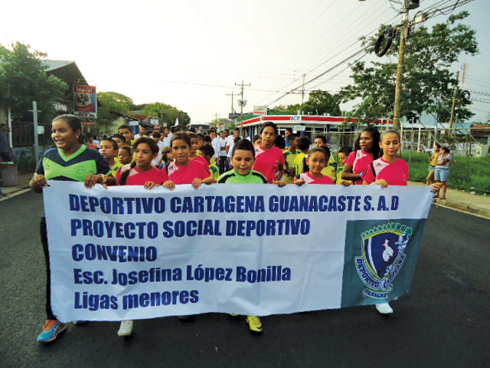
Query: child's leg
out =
(44, 241)
(444, 188)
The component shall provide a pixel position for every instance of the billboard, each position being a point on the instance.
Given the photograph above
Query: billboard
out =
(85, 101)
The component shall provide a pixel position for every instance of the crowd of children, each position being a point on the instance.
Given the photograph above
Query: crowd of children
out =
(190, 158)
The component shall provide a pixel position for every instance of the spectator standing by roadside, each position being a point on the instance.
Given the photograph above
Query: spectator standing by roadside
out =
(432, 163)
(442, 170)
(4, 143)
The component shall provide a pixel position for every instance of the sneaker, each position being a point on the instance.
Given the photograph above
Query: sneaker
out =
(51, 329)
(254, 324)
(384, 308)
(126, 328)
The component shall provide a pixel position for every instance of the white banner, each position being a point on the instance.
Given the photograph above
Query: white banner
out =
(130, 253)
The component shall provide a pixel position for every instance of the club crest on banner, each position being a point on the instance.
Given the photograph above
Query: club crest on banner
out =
(383, 254)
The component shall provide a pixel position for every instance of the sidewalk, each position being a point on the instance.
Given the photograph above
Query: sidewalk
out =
(21, 187)
(463, 201)
(456, 199)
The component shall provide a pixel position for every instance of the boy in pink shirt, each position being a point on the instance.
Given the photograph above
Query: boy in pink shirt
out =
(184, 170)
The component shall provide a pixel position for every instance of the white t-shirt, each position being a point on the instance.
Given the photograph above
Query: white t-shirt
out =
(222, 151)
(230, 142)
(159, 156)
(216, 143)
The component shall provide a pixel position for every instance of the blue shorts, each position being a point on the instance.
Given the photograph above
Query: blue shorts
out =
(432, 168)
(441, 174)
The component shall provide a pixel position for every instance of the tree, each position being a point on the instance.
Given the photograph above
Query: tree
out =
(319, 103)
(112, 106)
(322, 102)
(427, 83)
(23, 79)
(166, 114)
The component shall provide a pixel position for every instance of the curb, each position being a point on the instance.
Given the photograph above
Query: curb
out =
(19, 191)
(462, 207)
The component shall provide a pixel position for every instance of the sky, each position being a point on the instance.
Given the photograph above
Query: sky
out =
(195, 54)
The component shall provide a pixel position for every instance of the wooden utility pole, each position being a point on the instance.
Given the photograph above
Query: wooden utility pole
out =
(242, 102)
(453, 107)
(303, 90)
(403, 37)
(232, 96)
(36, 140)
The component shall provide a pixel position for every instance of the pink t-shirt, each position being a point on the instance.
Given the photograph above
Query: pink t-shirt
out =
(186, 174)
(267, 161)
(201, 159)
(311, 180)
(137, 177)
(395, 173)
(359, 160)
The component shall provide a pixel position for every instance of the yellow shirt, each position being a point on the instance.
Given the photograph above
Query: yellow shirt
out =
(116, 167)
(289, 158)
(330, 172)
(298, 164)
(339, 176)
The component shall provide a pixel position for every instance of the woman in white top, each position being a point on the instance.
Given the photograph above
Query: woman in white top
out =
(442, 170)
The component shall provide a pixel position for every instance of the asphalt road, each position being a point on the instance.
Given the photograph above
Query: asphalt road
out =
(444, 322)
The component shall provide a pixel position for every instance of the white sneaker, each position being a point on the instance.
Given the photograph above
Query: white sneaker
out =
(384, 308)
(126, 328)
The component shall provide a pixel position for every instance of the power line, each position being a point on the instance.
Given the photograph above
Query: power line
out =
(315, 78)
(321, 53)
(340, 52)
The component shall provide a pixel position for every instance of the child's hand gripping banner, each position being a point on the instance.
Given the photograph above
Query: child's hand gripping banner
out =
(130, 253)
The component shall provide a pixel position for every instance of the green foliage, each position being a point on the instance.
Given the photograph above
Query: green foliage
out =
(427, 82)
(466, 173)
(166, 114)
(112, 106)
(23, 79)
(319, 103)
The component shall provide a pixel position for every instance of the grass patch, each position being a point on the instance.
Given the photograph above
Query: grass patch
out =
(465, 173)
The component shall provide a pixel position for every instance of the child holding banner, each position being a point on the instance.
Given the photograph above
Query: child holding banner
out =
(316, 161)
(331, 168)
(184, 170)
(140, 172)
(269, 159)
(366, 151)
(243, 159)
(387, 170)
(108, 149)
(71, 160)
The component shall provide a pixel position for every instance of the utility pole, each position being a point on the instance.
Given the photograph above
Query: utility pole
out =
(403, 37)
(453, 108)
(303, 90)
(232, 96)
(36, 140)
(242, 102)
